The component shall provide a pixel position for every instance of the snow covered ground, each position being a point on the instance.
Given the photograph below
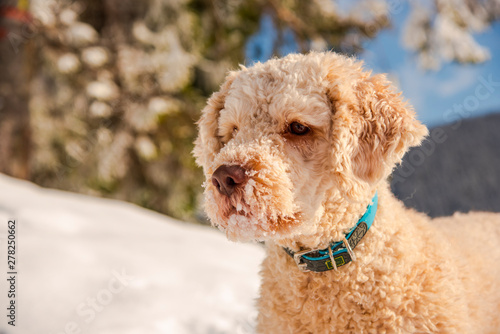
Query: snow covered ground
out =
(89, 265)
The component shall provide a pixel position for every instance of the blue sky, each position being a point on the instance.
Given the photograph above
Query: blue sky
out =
(435, 93)
(439, 97)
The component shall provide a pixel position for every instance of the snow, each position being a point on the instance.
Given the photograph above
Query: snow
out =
(95, 56)
(103, 90)
(90, 265)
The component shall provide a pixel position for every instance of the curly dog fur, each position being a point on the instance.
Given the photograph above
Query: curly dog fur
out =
(305, 188)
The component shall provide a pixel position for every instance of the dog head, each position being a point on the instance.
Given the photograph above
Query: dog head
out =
(281, 139)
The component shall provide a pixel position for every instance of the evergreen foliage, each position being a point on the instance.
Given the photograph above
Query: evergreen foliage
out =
(115, 87)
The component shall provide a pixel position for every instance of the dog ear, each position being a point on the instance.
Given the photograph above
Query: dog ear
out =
(373, 127)
(388, 129)
(207, 144)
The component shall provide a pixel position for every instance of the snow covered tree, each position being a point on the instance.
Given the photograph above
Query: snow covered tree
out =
(119, 85)
(443, 30)
(116, 86)
(112, 102)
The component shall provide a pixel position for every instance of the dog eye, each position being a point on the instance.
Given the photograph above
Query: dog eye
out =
(298, 129)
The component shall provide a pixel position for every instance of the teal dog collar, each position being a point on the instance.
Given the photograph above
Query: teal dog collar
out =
(339, 253)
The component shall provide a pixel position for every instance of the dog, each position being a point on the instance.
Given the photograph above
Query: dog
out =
(297, 152)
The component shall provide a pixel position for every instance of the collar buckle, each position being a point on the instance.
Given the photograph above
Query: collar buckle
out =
(303, 265)
(298, 259)
(335, 251)
(330, 254)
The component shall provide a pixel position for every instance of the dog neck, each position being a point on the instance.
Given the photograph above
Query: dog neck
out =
(339, 218)
(337, 253)
(340, 224)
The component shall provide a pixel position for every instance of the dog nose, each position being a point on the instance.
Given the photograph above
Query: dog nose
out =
(227, 178)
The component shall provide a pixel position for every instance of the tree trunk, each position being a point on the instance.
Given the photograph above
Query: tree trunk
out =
(15, 34)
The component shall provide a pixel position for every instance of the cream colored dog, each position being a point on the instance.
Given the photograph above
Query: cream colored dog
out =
(295, 152)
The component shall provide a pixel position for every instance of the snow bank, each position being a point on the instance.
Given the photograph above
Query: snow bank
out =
(89, 265)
